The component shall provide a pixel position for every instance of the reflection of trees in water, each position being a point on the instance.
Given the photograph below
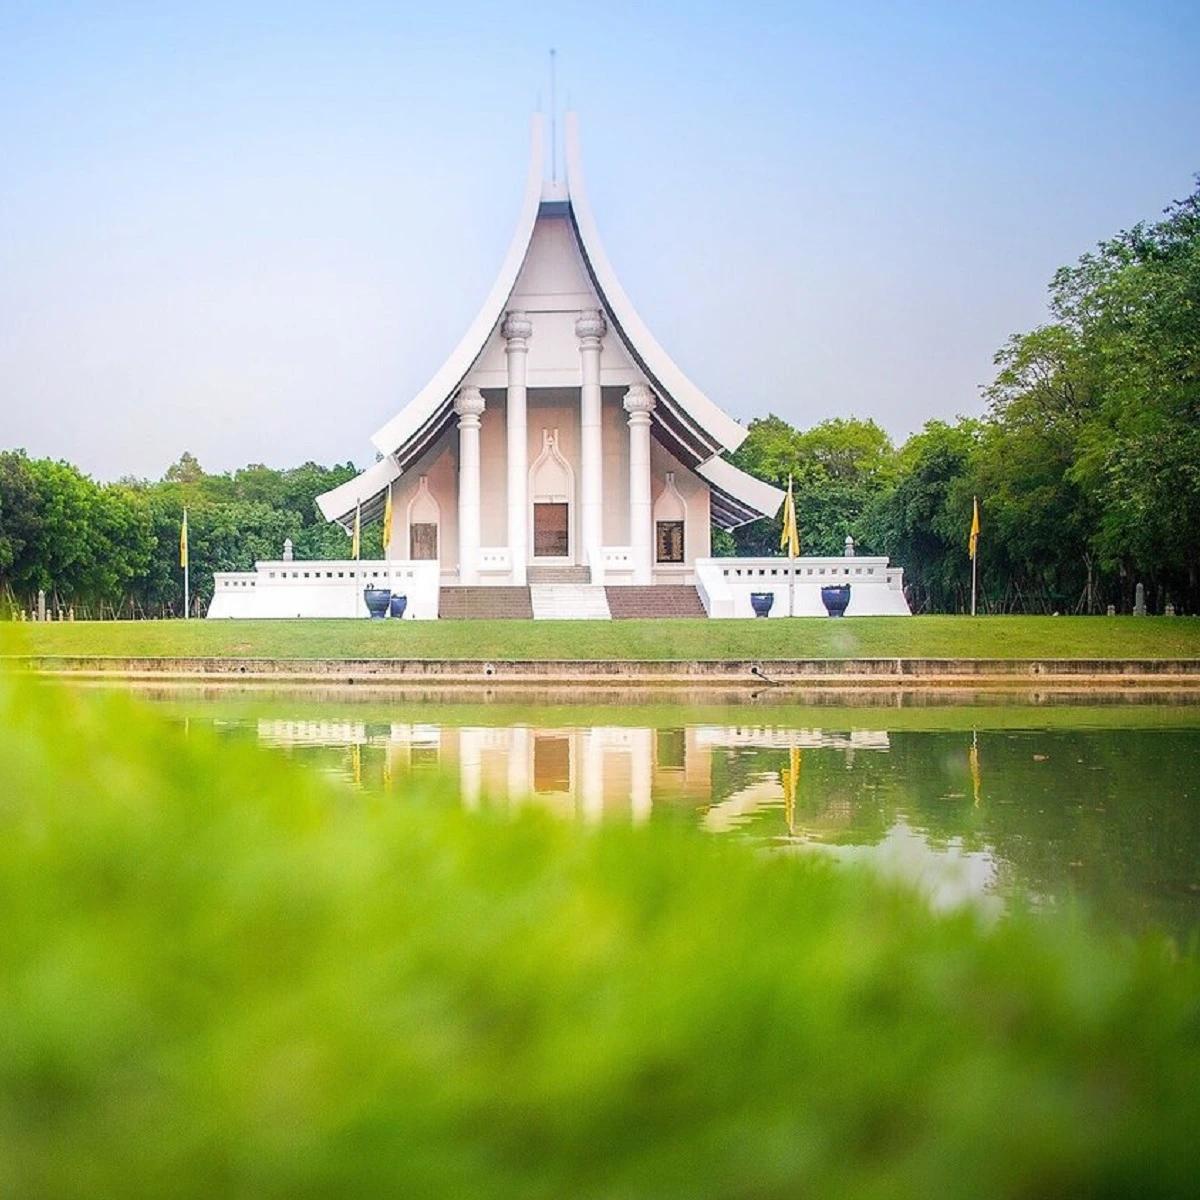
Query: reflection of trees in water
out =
(1110, 816)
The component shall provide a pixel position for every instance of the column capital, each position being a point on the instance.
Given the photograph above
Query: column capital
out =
(639, 401)
(591, 326)
(517, 328)
(469, 403)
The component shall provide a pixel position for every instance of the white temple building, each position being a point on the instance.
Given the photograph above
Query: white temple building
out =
(559, 451)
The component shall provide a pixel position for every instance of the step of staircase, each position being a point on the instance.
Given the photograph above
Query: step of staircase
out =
(549, 575)
(664, 600)
(569, 602)
(484, 603)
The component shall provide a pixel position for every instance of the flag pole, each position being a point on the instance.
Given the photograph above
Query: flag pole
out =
(791, 537)
(187, 599)
(792, 558)
(974, 545)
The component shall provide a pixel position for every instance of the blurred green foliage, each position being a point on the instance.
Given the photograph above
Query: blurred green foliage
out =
(223, 976)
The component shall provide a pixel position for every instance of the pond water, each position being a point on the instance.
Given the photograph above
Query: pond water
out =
(990, 802)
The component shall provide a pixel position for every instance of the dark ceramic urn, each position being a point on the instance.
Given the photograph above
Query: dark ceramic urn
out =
(761, 602)
(377, 600)
(836, 598)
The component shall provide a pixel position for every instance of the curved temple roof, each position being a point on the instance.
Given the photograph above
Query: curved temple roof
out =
(690, 425)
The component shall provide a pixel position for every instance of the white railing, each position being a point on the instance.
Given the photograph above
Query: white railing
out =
(725, 585)
(323, 588)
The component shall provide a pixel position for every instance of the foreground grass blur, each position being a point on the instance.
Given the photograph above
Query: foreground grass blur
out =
(220, 975)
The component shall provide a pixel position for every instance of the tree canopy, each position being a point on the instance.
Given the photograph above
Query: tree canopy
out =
(116, 546)
(1086, 462)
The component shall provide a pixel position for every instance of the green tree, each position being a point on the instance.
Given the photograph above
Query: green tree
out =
(921, 522)
(837, 468)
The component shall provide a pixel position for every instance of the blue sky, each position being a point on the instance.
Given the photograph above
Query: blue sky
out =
(254, 230)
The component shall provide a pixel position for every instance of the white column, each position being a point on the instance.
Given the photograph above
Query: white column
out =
(519, 784)
(592, 785)
(639, 404)
(641, 748)
(590, 329)
(470, 764)
(517, 329)
(469, 406)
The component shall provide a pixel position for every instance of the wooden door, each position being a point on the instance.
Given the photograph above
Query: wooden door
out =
(550, 536)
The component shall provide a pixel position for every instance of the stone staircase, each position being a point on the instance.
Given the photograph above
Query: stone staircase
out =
(483, 603)
(569, 602)
(664, 600)
(558, 575)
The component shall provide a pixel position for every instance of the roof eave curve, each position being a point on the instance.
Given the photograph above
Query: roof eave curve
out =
(737, 497)
(423, 409)
(365, 489)
(710, 418)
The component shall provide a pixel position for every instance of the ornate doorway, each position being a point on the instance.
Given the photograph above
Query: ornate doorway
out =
(551, 491)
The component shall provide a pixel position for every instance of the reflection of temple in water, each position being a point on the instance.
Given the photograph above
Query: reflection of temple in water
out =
(729, 777)
(593, 772)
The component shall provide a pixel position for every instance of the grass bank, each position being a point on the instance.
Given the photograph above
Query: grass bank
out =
(222, 975)
(678, 640)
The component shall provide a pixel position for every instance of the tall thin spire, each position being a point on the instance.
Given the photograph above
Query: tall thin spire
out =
(553, 122)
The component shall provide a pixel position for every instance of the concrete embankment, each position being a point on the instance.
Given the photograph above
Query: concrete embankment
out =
(857, 673)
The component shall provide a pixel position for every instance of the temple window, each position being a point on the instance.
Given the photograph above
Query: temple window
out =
(423, 540)
(668, 541)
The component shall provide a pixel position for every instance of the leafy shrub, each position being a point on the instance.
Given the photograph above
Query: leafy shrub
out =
(220, 976)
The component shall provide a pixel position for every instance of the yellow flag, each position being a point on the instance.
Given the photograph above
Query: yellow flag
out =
(356, 536)
(387, 521)
(183, 546)
(790, 778)
(973, 763)
(790, 538)
(975, 529)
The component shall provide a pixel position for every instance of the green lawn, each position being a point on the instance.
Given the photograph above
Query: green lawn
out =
(682, 640)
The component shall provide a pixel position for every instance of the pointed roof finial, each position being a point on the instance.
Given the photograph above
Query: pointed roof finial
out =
(553, 122)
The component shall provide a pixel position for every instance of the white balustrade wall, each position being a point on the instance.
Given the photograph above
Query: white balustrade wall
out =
(323, 588)
(725, 585)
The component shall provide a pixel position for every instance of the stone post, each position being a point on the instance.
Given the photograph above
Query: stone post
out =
(1139, 601)
(517, 330)
(590, 329)
(849, 548)
(288, 551)
(41, 609)
(639, 404)
(469, 406)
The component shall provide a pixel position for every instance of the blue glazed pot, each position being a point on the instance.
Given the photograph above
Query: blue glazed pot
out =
(761, 602)
(399, 604)
(377, 600)
(836, 598)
